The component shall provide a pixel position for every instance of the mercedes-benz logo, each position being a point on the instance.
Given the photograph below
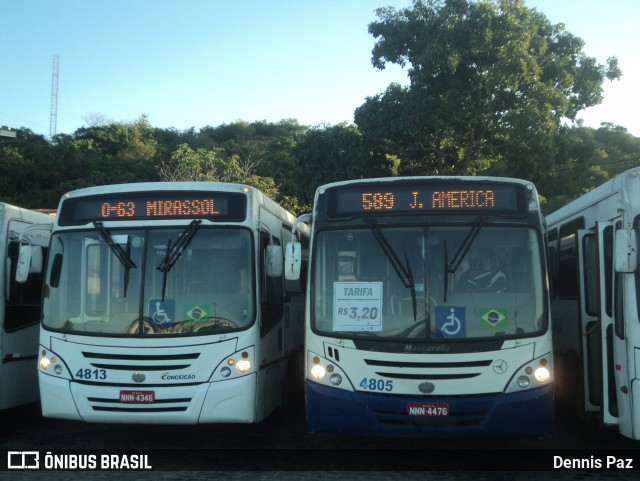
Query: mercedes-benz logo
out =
(499, 366)
(138, 376)
(426, 387)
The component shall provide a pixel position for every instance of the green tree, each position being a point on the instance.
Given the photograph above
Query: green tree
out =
(187, 164)
(488, 79)
(23, 171)
(212, 165)
(328, 154)
(584, 159)
(623, 149)
(577, 170)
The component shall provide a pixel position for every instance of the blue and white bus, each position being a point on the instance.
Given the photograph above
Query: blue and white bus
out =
(427, 308)
(166, 303)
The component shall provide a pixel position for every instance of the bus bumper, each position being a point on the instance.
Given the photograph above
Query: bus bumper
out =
(525, 414)
(229, 401)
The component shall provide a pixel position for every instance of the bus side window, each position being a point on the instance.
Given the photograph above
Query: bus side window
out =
(568, 260)
(23, 300)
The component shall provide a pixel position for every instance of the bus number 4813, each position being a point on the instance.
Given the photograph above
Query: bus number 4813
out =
(372, 384)
(91, 374)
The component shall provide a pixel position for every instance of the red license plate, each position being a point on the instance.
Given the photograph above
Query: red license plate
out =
(437, 410)
(137, 397)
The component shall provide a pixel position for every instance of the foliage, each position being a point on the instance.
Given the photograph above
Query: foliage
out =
(328, 154)
(485, 78)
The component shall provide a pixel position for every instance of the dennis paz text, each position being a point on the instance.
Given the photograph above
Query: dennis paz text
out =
(593, 462)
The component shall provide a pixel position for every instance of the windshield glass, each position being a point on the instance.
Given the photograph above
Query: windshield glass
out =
(95, 287)
(459, 282)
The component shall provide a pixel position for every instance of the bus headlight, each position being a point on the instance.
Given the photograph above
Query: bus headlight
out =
(542, 374)
(49, 363)
(327, 372)
(523, 382)
(243, 366)
(318, 372)
(237, 364)
(45, 362)
(531, 375)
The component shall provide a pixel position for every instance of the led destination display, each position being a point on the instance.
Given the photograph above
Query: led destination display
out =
(416, 197)
(225, 206)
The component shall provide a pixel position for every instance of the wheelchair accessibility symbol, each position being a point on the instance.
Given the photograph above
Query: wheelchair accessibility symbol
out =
(450, 321)
(162, 312)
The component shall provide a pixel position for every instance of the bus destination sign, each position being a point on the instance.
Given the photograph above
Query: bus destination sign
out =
(405, 198)
(225, 206)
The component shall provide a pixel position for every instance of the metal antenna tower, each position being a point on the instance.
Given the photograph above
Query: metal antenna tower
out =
(53, 120)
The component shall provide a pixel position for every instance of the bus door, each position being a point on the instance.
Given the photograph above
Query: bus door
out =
(595, 248)
(622, 366)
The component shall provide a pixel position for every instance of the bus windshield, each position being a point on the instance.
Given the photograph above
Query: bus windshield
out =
(431, 283)
(172, 281)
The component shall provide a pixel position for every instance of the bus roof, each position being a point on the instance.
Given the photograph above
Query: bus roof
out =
(427, 178)
(257, 195)
(620, 183)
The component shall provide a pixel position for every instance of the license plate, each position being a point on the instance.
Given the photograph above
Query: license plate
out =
(437, 410)
(137, 397)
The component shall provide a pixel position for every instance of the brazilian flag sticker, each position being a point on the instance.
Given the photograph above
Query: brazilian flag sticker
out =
(196, 312)
(493, 317)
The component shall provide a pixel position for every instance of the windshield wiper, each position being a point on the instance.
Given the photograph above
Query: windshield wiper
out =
(453, 266)
(404, 271)
(174, 253)
(122, 256)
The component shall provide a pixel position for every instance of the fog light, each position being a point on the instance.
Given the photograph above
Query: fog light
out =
(44, 363)
(335, 379)
(225, 372)
(57, 369)
(542, 374)
(318, 372)
(523, 382)
(243, 365)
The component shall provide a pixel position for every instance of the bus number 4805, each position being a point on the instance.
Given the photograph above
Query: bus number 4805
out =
(372, 384)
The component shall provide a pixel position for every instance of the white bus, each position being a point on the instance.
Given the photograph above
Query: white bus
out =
(593, 247)
(20, 305)
(166, 303)
(427, 309)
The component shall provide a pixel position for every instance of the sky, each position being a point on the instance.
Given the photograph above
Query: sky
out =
(198, 63)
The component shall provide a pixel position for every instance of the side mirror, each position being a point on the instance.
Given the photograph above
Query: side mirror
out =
(37, 260)
(274, 261)
(24, 264)
(292, 261)
(626, 251)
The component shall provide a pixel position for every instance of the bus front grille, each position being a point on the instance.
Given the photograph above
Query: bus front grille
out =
(141, 362)
(429, 371)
